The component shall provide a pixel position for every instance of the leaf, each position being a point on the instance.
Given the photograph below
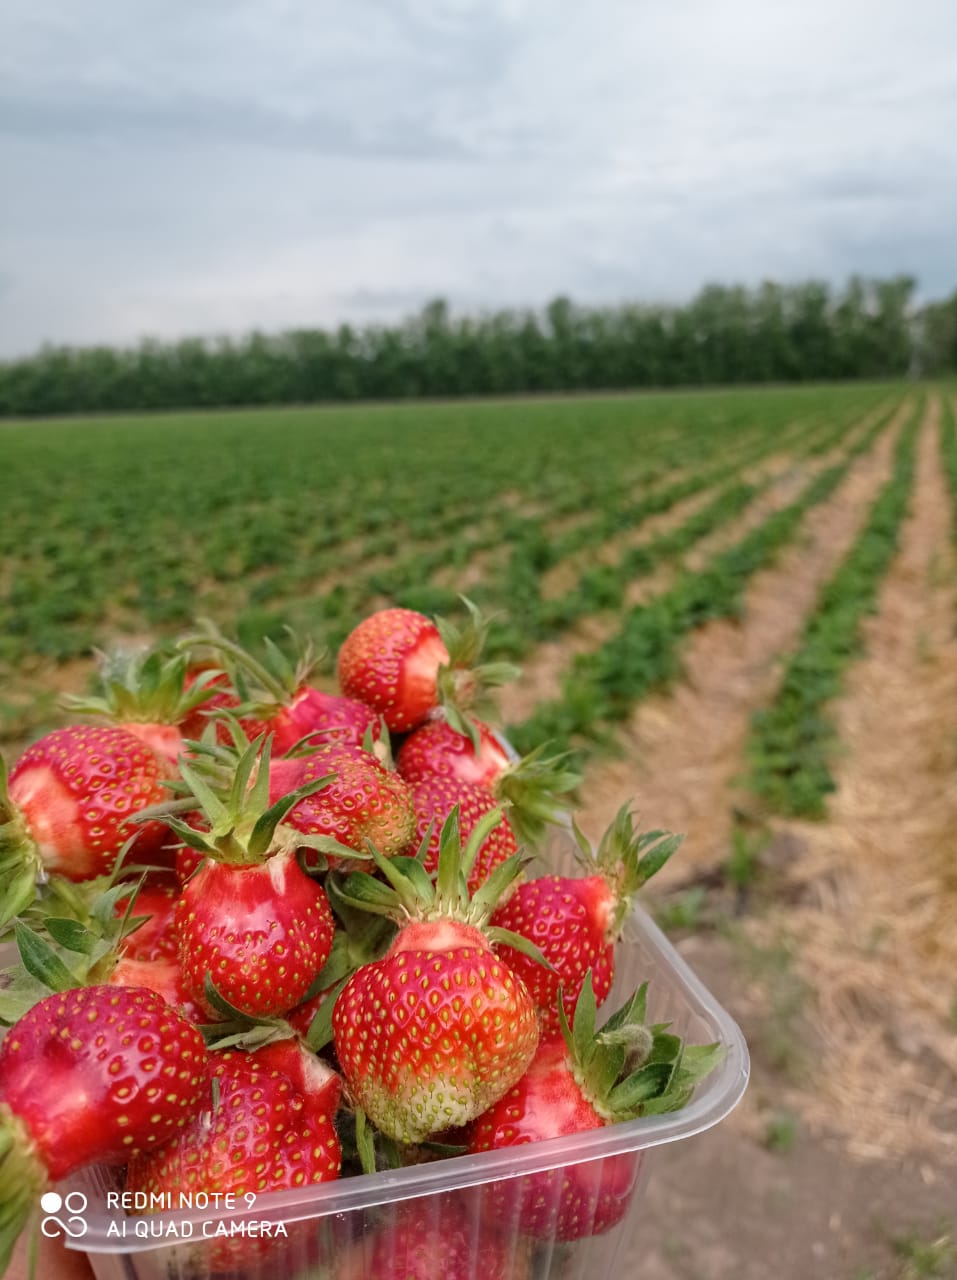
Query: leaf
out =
(20, 893)
(365, 1143)
(222, 1005)
(647, 1082)
(40, 960)
(583, 1025)
(509, 938)
(71, 934)
(265, 828)
(655, 859)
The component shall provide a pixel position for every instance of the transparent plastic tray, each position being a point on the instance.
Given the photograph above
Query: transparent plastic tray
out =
(337, 1231)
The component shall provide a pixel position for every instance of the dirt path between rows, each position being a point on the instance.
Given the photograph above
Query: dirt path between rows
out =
(841, 1152)
(876, 885)
(684, 748)
(544, 668)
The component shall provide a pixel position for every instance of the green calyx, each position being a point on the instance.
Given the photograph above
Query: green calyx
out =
(539, 790)
(627, 859)
(629, 1068)
(146, 687)
(412, 894)
(232, 792)
(21, 867)
(72, 937)
(265, 687)
(464, 682)
(22, 1181)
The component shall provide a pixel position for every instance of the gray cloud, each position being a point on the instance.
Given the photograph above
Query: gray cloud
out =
(173, 168)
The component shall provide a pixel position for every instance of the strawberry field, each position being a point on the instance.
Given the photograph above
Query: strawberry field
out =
(734, 610)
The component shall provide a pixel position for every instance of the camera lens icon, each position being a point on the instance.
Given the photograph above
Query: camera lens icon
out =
(74, 1204)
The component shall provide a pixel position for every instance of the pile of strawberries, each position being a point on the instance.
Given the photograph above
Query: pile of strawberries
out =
(257, 952)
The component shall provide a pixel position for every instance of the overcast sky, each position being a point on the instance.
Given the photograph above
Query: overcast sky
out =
(175, 167)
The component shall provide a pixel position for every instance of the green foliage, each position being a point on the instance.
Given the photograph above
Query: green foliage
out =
(135, 528)
(725, 335)
(781, 1131)
(645, 653)
(793, 741)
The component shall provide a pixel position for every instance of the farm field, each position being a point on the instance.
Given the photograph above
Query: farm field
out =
(738, 608)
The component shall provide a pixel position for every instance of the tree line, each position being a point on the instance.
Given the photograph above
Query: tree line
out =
(725, 335)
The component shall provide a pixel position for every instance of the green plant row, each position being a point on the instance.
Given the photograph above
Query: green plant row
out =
(603, 687)
(792, 742)
(134, 527)
(513, 593)
(948, 454)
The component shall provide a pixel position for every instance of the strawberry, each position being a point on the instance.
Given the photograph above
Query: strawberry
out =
(432, 1238)
(579, 1081)
(437, 748)
(162, 975)
(577, 922)
(67, 808)
(404, 666)
(435, 797)
(261, 932)
(363, 802)
(320, 1086)
(433, 1033)
(257, 1133)
(260, 1136)
(391, 661)
(277, 698)
(249, 920)
(532, 785)
(150, 694)
(97, 1075)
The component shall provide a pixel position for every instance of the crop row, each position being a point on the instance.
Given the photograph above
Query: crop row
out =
(792, 742)
(948, 453)
(603, 686)
(133, 526)
(513, 592)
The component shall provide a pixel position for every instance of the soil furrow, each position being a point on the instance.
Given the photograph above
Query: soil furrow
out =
(876, 885)
(545, 667)
(684, 748)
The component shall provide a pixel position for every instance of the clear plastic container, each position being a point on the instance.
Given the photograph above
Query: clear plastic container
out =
(344, 1230)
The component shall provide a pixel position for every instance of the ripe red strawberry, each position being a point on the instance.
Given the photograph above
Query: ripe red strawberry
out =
(534, 786)
(433, 1238)
(433, 1033)
(277, 698)
(437, 748)
(577, 922)
(148, 693)
(261, 931)
(364, 801)
(435, 797)
(249, 919)
(257, 1133)
(579, 1081)
(320, 1086)
(404, 666)
(68, 805)
(162, 975)
(97, 1075)
(391, 661)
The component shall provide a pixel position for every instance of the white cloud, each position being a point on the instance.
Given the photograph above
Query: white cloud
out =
(172, 168)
